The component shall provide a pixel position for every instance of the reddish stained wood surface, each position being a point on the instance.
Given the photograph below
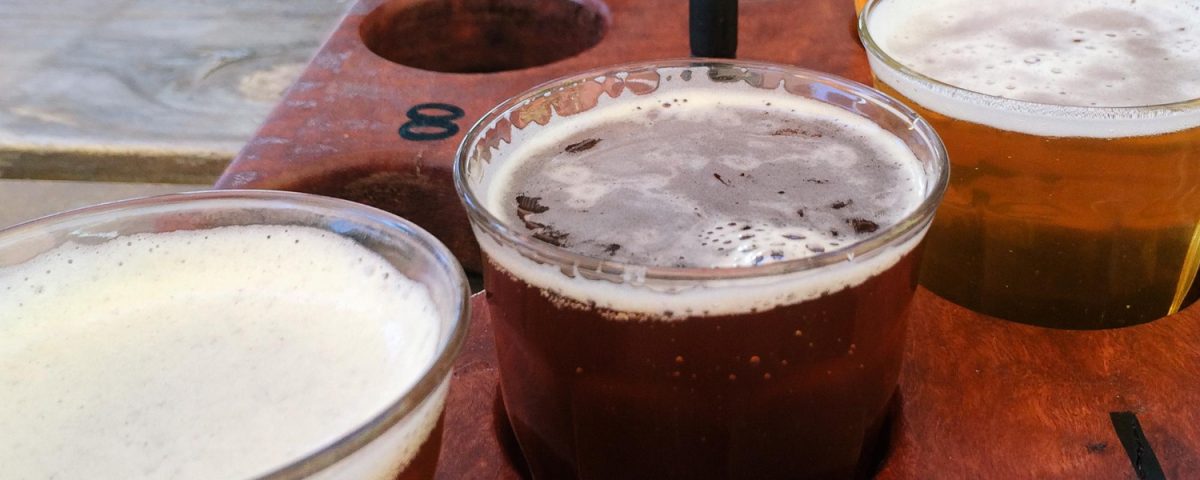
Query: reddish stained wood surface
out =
(982, 398)
(335, 131)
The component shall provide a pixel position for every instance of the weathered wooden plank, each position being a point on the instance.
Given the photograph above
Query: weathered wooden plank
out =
(174, 87)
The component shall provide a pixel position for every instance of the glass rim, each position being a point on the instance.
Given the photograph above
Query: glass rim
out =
(1099, 112)
(349, 442)
(911, 223)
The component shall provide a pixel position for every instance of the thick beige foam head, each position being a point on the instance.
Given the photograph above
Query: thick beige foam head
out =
(1055, 68)
(223, 353)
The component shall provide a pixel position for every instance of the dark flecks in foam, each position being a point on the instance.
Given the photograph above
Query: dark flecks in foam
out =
(796, 132)
(862, 225)
(552, 236)
(681, 157)
(526, 206)
(582, 145)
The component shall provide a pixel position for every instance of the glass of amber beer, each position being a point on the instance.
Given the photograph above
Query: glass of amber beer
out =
(1074, 131)
(226, 334)
(700, 269)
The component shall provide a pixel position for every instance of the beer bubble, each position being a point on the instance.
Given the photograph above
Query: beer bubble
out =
(711, 196)
(155, 355)
(1105, 34)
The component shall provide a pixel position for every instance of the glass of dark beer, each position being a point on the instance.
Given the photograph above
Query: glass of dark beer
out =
(226, 334)
(700, 269)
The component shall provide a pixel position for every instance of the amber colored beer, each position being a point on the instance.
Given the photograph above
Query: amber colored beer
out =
(1066, 232)
(1070, 205)
(700, 270)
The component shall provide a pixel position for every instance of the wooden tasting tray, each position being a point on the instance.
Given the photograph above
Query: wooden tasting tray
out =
(981, 397)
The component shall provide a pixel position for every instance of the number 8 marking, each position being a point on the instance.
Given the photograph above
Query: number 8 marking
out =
(433, 127)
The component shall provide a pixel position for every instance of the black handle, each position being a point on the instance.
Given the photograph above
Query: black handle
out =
(713, 28)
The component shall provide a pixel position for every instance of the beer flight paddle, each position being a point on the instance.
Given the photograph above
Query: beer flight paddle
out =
(980, 397)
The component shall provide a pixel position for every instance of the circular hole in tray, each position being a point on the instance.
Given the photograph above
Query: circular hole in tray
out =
(480, 36)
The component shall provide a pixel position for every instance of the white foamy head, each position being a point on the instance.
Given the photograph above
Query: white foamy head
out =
(222, 353)
(1061, 68)
(681, 226)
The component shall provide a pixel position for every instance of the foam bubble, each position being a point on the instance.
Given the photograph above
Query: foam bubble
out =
(1077, 61)
(660, 195)
(716, 181)
(221, 353)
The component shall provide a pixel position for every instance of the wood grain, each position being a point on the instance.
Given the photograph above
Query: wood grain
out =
(335, 132)
(145, 90)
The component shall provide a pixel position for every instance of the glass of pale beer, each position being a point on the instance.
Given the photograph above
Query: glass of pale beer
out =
(1074, 131)
(700, 269)
(226, 334)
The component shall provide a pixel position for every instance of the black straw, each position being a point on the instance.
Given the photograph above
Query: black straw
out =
(713, 28)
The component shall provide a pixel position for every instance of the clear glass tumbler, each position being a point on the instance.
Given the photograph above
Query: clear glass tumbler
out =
(764, 369)
(226, 334)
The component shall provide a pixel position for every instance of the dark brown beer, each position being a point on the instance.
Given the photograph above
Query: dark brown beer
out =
(707, 279)
(793, 392)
